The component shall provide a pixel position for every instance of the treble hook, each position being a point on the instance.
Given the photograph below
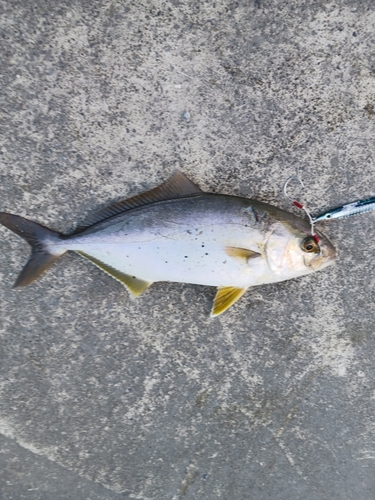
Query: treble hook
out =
(299, 205)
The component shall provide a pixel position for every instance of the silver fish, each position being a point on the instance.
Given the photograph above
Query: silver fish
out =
(354, 208)
(177, 232)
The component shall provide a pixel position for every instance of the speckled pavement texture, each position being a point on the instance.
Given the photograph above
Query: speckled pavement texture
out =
(103, 397)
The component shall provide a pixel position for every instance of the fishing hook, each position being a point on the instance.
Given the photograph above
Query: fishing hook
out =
(299, 205)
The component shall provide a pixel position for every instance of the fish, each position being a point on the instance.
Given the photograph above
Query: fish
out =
(348, 210)
(178, 233)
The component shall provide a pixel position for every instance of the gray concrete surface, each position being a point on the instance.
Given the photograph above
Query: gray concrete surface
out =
(104, 397)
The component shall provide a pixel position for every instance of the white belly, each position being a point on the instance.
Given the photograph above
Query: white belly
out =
(186, 257)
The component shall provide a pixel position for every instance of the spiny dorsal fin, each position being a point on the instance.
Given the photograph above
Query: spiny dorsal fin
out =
(175, 187)
(241, 253)
(135, 285)
(225, 297)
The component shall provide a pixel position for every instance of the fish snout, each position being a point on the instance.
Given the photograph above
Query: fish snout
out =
(326, 257)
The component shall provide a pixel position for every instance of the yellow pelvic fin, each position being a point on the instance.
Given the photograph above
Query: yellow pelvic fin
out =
(225, 297)
(242, 253)
(135, 285)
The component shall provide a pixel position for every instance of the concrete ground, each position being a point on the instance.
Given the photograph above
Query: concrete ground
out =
(102, 397)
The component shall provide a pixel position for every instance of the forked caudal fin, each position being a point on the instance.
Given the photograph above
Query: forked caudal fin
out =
(40, 239)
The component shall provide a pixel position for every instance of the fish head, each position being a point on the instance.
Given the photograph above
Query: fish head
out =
(291, 250)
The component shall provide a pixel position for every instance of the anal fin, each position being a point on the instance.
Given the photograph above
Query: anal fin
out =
(135, 285)
(225, 297)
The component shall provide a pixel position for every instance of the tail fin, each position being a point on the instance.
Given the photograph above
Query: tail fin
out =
(41, 239)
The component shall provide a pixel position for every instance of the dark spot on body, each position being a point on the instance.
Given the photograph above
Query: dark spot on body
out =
(206, 254)
(186, 256)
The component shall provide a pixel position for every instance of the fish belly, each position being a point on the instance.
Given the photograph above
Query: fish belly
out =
(181, 257)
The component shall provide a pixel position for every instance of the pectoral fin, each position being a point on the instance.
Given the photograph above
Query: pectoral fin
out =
(225, 297)
(135, 285)
(241, 253)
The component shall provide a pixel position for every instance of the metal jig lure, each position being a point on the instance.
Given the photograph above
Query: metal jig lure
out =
(348, 210)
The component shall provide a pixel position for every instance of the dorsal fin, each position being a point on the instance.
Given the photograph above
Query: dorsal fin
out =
(176, 187)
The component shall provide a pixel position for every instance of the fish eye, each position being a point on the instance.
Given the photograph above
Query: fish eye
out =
(328, 216)
(309, 245)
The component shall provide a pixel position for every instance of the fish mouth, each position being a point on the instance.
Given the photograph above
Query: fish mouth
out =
(325, 258)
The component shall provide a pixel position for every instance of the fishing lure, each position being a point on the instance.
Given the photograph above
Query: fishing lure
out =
(348, 210)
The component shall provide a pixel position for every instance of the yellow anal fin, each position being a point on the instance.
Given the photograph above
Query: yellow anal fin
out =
(225, 297)
(135, 285)
(241, 253)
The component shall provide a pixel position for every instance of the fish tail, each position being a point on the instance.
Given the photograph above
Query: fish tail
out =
(44, 251)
